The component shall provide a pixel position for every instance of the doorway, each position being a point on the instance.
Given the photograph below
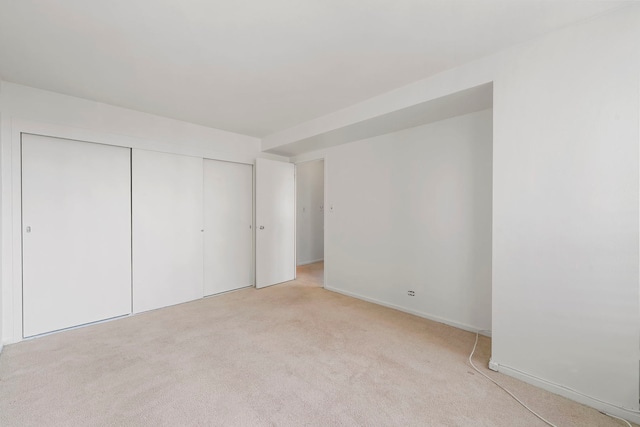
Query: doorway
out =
(310, 222)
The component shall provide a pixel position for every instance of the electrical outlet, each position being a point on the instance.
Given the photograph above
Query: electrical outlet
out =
(411, 293)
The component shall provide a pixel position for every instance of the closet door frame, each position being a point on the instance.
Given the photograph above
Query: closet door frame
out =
(11, 217)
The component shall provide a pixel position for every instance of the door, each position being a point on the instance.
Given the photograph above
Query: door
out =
(76, 240)
(275, 222)
(167, 229)
(228, 222)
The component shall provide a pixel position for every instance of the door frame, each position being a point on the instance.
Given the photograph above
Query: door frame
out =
(313, 158)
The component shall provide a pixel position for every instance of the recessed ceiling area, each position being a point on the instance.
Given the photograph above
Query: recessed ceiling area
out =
(257, 67)
(456, 104)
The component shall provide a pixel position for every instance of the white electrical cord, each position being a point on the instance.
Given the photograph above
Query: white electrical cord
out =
(518, 400)
(617, 418)
(503, 388)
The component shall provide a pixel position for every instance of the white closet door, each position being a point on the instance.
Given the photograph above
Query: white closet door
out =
(167, 229)
(275, 222)
(76, 216)
(228, 217)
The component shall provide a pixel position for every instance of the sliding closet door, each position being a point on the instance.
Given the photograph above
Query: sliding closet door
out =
(275, 219)
(76, 240)
(228, 217)
(167, 229)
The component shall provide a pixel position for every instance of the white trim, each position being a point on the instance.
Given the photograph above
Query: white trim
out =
(325, 275)
(310, 262)
(568, 393)
(16, 234)
(418, 313)
(295, 221)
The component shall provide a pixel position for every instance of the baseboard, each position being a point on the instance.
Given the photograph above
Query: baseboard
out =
(418, 313)
(309, 262)
(568, 393)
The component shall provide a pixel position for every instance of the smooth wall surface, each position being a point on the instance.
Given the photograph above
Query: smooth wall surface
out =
(309, 212)
(411, 211)
(29, 103)
(565, 241)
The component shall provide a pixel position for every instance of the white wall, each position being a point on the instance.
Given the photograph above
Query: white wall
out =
(1, 203)
(411, 210)
(566, 309)
(309, 212)
(566, 171)
(45, 112)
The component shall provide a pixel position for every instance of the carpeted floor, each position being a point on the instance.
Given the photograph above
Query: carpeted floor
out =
(289, 355)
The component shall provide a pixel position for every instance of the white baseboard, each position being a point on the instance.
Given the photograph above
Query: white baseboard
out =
(310, 262)
(568, 393)
(418, 313)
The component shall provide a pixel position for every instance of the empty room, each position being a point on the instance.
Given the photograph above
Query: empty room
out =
(336, 213)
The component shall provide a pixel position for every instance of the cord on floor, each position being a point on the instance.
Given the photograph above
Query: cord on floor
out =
(518, 400)
(503, 388)
(617, 418)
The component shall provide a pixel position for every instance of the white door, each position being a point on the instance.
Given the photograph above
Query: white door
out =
(228, 234)
(167, 229)
(275, 222)
(76, 234)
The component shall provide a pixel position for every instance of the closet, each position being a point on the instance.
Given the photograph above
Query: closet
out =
(109, 231)
(76, 233)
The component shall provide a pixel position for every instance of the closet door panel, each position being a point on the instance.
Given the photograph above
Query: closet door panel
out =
(228, 217)
(76, 216)
(167, 229)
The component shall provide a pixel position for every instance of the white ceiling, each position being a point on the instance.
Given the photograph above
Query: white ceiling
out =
(258, 66)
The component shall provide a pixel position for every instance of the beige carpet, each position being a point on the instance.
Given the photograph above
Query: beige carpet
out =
(289, 355)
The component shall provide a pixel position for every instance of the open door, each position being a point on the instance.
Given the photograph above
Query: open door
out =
(275, 222)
